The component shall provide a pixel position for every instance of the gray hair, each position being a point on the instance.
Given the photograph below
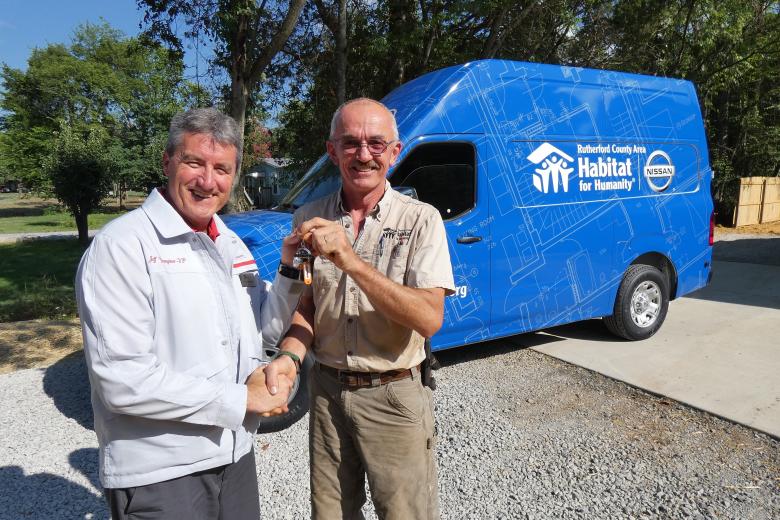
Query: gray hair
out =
(337, 115)
(209, 121)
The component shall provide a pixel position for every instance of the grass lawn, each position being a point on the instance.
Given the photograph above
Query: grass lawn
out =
(36, 279)
(54, 221)
(27, 214)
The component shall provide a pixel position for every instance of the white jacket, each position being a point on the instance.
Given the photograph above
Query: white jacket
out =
(171, 332)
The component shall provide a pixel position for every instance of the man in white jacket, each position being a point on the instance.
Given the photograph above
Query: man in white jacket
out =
(174, 319)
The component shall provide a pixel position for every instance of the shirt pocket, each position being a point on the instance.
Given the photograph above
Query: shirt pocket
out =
(397, 261)
(249, 286)
(325, 272)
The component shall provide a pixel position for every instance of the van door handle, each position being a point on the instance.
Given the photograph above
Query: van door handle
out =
(468, 240)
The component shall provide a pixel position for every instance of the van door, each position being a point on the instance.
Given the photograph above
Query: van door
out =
(554, 247)
(445, 172)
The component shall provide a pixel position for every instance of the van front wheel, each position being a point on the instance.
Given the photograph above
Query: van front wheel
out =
(641, 303)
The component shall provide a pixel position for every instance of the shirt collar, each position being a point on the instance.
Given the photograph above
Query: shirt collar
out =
(377, 211)
(168, 221)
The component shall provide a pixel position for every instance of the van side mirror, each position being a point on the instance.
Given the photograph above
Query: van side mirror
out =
(408, 191)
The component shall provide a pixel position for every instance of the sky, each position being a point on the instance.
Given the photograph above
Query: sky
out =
(27, 24)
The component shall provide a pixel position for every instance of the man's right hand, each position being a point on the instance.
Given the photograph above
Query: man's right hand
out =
(260, 401)
(329, 239)
(280, 369)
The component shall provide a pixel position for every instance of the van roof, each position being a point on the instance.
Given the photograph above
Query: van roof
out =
(530, 101)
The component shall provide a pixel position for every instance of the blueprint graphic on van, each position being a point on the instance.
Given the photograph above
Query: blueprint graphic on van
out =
(551, 182)
(574, 162)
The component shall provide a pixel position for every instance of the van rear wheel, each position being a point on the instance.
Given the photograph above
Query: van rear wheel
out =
(641, 303)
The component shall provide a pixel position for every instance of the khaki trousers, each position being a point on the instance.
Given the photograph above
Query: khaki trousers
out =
(384, 432)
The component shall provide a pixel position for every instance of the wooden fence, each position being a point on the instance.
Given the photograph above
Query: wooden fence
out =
(759, 201)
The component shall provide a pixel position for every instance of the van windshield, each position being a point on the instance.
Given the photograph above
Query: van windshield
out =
(322, 179)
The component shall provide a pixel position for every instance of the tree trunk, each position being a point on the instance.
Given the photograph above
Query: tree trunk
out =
(429, 19)
(401, 13)
(499, 29)
(83, 226)
(493, 42)
(245, 72)
(239, 95)
(122, 194)
(341, 54)
(337, 25)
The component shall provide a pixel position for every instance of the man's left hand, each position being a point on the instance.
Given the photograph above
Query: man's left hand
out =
(289, 247)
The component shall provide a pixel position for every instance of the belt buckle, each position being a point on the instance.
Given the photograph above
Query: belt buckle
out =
(342, 376)
(347, 379)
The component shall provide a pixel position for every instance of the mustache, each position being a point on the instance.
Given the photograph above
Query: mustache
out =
(368, 164)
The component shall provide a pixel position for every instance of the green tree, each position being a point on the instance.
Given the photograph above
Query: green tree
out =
(101, 79)
(247, 36)
(729, 49)
(390, 42)
(81, 173)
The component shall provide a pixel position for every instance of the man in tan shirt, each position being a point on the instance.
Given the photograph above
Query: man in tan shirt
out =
(381, 272)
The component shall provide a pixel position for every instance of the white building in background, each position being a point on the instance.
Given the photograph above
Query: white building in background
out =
(265, 183)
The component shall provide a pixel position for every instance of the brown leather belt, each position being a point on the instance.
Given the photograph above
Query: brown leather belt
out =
(351, 379)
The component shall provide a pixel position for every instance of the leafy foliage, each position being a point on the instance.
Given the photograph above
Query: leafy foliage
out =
(80, 170)
(247, 37)
(729, 49)
(297, 60)
(101, 80)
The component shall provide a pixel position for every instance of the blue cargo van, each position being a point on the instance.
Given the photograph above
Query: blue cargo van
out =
(567, 194)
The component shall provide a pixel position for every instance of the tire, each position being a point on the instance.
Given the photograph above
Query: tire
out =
(641, 303)
(298, 403)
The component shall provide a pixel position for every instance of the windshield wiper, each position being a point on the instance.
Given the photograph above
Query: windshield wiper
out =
(286, 207)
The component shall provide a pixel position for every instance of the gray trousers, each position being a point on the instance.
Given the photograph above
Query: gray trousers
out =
(385, 433)
(223, 493)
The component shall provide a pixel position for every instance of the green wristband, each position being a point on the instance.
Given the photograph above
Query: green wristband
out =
(292, 356)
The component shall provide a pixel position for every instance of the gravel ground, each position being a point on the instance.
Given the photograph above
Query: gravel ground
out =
(521, 435)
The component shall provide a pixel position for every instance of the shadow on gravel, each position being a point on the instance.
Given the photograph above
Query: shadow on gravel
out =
(487, 349)
(43, 495)
(492, 348)
(588, 329)
(67, 383)
(764, 251)
(85, 460)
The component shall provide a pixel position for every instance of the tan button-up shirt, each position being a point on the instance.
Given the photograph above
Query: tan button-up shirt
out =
(402, 238)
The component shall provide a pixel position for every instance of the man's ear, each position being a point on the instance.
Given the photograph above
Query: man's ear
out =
(395, 152)
(332, 152)
(166, 160)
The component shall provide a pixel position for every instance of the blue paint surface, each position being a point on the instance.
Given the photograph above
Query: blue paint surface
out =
(578, 172)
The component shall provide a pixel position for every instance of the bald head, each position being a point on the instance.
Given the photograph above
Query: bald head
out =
(334, 123)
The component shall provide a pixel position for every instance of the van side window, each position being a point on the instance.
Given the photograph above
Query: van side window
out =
(443, 174)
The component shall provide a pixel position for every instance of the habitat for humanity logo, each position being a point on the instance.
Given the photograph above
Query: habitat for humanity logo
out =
(552, 167)
(600, 167)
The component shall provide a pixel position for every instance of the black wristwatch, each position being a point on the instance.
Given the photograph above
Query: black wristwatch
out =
(289, 272)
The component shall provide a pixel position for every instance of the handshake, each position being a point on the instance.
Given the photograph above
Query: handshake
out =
(268, 391)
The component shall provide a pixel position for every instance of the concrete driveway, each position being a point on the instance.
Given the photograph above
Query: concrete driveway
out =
(719, 349)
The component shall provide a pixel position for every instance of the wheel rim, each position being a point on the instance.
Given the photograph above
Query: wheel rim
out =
(646, 304)
(271, 353)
